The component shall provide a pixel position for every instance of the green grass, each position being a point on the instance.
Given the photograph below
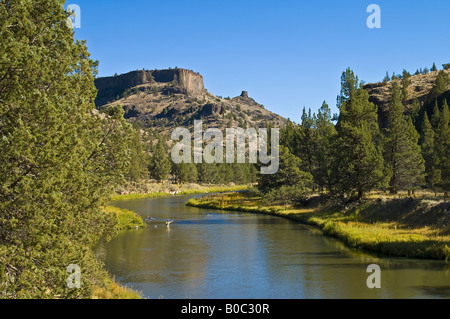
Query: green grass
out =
(127, 219)
(138, 196)
(202, 190)
(403, 228)
(112, 290)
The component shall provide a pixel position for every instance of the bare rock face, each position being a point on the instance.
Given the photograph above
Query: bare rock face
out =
(166, 99)
(189, 81)
(182, 80)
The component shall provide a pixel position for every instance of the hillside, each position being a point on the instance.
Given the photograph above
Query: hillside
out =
(419, 89)
(176, 97)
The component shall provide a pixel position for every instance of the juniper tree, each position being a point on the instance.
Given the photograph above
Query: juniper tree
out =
(60, 159)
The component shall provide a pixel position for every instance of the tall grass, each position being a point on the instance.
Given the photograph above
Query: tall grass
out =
(202, 190)
(351, 225)
(126, 219)
(112, 290)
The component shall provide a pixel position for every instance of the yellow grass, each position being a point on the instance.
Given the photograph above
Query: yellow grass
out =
(392, 227)
(115, 291)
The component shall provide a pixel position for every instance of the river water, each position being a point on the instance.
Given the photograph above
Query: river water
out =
(207, 254)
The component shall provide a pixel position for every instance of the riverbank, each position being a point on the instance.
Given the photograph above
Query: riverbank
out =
(406, 227)
(109, 289)
(155, 190)
(126, 219)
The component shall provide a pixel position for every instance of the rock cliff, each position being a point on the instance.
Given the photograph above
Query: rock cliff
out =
(181, 80)
(165, 99)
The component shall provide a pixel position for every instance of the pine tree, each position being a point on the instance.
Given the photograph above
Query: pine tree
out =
(387, 78)
(306, 141)
(289, 174)
(358, 161)
(402, 153)
(428, 153)
(160, 164)
(442, 147)
(406, 82)
(208, 173)
(434, 68)
(325, 132)
(435, 118)
(415, 111)
(185, 173)
(139, 158)
(60, 159)
(439, 87)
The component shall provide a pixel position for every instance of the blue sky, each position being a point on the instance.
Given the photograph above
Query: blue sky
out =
(287, 54)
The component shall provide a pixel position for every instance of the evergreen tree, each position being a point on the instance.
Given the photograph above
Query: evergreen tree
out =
(442, 147)
(415, 111)
(289, 137)
(185, 173)
(387, 78)
(435, 118)
(325, 132)
(428, 154)
(289, 174)
(208, 173)
(358, 161)
(306, 145)
(406, 82)
(402, 153)
(439, 87)
(160, 164)
(139, 158)
(434, 68)
(60, 158)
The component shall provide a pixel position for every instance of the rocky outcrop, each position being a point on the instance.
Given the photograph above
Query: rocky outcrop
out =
(420, 87)
(246, 100)
(165, 99)
(181, 80)
(210, 110)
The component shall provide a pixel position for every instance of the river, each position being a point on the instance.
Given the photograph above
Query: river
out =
(207, 254)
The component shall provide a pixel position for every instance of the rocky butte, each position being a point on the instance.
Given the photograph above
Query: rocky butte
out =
(165, 99)
(183, 81)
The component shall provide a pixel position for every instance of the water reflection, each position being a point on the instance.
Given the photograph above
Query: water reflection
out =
(205, 254)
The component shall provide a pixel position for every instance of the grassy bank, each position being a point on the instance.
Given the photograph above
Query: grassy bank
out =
(109, 289)
(127, 219)
(179, 190)
(413, 228)
(113, 290)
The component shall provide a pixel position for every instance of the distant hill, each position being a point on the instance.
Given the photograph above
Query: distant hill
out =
(420, 88)
(176, 97)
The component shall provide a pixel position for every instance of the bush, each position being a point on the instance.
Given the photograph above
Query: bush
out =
(286, 195)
